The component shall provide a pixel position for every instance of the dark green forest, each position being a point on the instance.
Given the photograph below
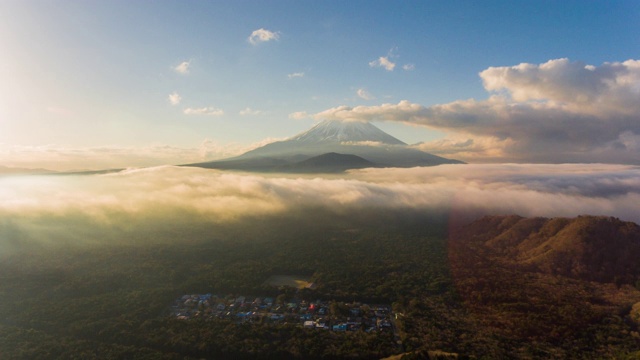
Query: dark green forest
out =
(112, 301)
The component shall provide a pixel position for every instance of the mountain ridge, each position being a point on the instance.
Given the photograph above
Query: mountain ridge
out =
(361, 139)
(558, 281)
(593, 248)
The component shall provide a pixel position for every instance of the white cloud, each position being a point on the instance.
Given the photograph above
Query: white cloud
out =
(408, 67)
(263, 35)
(364, 94)
(179, 196)
(61, 158)
(481, 149)
(209, 111)
(559, 111)
(295, 75)
(248, 112)
(299, 115)
(403, 111)
(384, 62)
(174, 98)
(261, 143)
(572, 86)
(183, 67)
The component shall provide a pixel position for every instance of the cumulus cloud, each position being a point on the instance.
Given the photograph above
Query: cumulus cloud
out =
(403, 111)
(249, 112)
(408, 67)
(558, 111)
(364, 94)
(295, 75)
(299, 115)
(174, 98)
(470, 149)
(383, 62)
(209, 111)
(575, 86)
(183, 67)
(178, 196)
(263, 35)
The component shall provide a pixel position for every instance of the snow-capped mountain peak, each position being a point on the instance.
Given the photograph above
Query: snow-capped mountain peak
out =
(335, 131)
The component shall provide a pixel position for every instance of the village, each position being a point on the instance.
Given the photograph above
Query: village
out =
(320, 315)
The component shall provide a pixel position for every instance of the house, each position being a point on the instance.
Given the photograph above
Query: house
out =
(384, 323)
(340, 327)
(309, 324)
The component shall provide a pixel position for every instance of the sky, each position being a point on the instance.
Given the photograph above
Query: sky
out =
(106, 84)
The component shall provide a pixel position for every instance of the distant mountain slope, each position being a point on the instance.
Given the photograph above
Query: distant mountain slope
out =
(360, 139)
(5, 170)
(330, 162)
(594, 248)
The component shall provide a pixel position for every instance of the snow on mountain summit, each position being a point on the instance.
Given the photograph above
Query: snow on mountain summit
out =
(344, 132)
(331, 145)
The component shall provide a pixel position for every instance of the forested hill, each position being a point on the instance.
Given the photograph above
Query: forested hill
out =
(561, 288)
(595, 248)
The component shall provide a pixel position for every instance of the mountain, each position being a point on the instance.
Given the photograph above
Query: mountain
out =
(359, 139)
(344, 131)
(593, 248)
(563, 282)
(329, 163)
(5, 170)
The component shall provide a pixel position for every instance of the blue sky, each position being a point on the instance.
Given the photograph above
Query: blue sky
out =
(88, 84)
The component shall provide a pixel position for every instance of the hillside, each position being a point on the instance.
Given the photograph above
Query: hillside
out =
(330, 162)
(565, 283)
(593, 248)
(461, 295)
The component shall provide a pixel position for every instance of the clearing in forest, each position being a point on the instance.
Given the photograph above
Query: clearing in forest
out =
(296, 281)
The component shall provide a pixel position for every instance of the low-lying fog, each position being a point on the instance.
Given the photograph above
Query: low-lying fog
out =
(99, 207)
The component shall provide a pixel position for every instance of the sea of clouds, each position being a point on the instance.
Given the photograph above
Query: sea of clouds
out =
(75, 207)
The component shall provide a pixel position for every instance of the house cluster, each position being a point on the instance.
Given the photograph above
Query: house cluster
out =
(319, 314)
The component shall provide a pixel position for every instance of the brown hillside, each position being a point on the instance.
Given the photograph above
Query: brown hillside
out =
(565, 283)
(594, 248)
